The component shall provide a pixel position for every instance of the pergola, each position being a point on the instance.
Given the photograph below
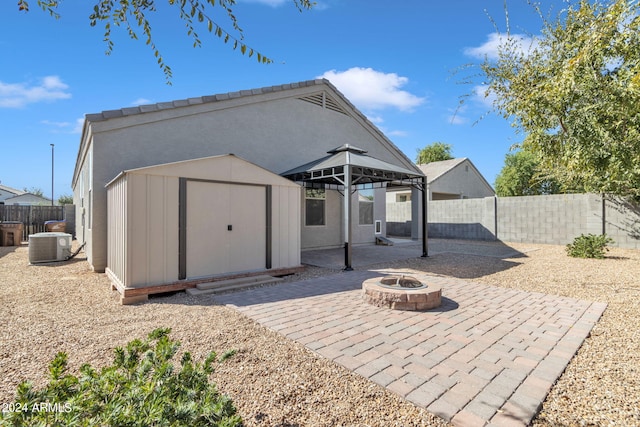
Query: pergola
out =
(347, 168)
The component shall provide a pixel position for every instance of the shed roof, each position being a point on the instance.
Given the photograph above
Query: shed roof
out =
(226, 168)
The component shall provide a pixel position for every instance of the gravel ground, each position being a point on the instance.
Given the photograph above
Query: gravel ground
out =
(48, 308)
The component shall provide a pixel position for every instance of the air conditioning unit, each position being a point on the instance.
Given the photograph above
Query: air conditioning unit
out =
(48, 247)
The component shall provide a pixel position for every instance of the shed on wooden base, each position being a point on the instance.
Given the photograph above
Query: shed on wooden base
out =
(174, 225)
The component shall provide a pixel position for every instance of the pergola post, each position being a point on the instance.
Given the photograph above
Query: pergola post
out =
(425, 224)
(347, 217)
(338, 171)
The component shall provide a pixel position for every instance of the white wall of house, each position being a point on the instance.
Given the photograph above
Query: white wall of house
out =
(332, 234)
(275, 129)
(221, 192)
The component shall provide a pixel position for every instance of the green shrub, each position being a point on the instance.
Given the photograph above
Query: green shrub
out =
(589, 246)
(140, 388)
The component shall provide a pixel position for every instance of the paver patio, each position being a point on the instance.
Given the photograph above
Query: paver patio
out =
(486, 356)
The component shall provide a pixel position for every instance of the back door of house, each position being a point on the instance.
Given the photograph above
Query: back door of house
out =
(226, 228)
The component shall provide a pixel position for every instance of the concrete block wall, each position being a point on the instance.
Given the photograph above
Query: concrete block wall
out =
(553, 219)
(463, 218)
(398, 212)
(622, 222)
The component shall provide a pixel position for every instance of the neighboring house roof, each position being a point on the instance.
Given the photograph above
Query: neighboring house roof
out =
(6, 192)
(436, 170)
(27, 199)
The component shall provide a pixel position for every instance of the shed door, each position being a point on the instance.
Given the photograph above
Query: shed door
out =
(226, 228)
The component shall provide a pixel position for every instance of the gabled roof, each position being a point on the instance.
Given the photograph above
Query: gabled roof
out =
(163, 106)
(226, 167)
(436, 170)
(11, 190)
(319, 91)
(29, 197)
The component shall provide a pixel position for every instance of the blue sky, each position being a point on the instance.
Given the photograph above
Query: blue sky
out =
(396, 61)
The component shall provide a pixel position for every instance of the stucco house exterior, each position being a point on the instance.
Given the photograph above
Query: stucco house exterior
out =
(269, 131)
(448, 179)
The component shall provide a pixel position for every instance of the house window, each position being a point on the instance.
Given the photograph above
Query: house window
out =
(365, 206)
(402, 198)
(314, 206)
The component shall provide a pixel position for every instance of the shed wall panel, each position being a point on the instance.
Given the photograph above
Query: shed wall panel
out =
(117, 229)
(153, 230)
(286, 227)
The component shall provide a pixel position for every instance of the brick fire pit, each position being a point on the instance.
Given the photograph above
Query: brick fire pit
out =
(401, 293)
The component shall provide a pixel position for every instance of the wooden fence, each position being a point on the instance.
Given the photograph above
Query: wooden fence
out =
(31, 217)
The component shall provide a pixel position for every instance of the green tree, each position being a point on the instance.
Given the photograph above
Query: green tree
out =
(575, 95)
(522, 175)
(65, 199)
(135, 17)
(35, 191)
(435, 152)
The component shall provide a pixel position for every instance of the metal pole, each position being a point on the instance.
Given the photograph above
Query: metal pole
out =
(347, 217)
(51, 174)
(425, 224)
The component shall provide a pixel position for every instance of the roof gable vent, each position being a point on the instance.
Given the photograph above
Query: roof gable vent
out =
(323, 100)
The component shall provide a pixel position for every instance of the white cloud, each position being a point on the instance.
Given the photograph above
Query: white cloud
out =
(79, 125)
(18, 95)
(482, 95)
(398, 133)
(65, 127)
(55, 124)
(370, 90)
(378, 120)
(141, 101)
(456, 116)
(490, 48)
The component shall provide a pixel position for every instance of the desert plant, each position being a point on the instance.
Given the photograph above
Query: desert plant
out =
(140, 388)
(589, 246)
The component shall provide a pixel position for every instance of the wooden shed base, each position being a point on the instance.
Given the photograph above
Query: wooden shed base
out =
(130, 296)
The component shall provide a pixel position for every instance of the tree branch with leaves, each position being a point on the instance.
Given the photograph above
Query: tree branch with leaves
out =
(575, 95)
(135, 17)
(435, 152)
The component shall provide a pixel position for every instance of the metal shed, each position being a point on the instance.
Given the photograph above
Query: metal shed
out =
(174, 225)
